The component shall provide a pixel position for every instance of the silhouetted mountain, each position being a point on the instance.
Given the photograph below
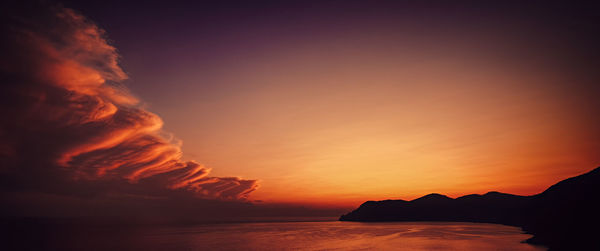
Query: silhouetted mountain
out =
(565, 216)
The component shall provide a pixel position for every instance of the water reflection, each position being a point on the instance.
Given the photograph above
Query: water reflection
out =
(317, 236)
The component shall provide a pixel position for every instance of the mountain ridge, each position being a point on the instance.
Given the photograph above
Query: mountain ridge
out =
(564, 216)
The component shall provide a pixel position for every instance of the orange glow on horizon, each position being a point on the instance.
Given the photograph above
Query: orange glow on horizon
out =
(348, 126)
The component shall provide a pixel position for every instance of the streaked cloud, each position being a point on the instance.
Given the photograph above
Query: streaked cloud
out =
(68, 121)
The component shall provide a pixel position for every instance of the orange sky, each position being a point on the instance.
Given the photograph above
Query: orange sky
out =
(301, 110)
(367, 123)
(334, 105)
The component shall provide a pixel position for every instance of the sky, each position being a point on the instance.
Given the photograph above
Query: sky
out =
(324, 104)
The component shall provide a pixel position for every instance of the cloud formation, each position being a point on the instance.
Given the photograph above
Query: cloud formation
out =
(68, 126)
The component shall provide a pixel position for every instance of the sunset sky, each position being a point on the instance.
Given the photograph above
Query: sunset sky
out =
(339, 102)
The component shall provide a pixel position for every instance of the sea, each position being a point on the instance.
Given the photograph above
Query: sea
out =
(321, 235)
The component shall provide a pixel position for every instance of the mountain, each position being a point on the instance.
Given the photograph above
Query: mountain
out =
(566, 216)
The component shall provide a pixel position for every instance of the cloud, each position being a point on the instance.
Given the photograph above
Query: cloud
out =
(70, 128)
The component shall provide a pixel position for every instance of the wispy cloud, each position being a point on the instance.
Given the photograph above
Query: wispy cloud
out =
(68, 122)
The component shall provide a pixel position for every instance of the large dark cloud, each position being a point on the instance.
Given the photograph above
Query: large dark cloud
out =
(71, 134)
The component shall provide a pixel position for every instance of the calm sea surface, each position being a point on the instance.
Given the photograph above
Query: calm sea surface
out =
(332, 235)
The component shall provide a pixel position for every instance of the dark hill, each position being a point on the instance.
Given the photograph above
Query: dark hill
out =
(566, 216)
